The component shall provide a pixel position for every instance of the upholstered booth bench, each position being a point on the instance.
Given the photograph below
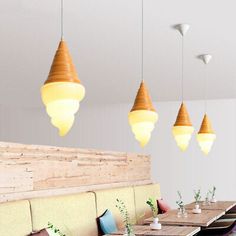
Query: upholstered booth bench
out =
(75, 214)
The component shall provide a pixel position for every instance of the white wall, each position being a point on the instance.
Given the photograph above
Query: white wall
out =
(106, 127)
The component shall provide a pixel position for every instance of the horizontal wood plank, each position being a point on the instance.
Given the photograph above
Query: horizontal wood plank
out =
(219, 205)
(201, 220)
(145, 230)
(28, 171)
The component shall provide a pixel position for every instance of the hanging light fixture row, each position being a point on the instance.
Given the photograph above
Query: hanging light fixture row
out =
(62, 93)
(183, 129)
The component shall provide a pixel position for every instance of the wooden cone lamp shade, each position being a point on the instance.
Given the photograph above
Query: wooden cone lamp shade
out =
(62, 91)
(206, 135)
(142, 116)
(182, 129)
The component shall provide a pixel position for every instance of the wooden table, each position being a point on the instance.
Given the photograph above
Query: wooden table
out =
(144, 230)
(201, 220)
(220, 205)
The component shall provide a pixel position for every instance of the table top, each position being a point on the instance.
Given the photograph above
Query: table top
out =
(201, 220)
(145, 230)
(219, 205)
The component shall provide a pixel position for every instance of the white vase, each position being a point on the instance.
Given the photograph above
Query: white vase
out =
(155, 225)
(197, 209)
(155, 220)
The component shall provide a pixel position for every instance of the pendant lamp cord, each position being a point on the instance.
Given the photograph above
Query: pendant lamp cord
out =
(62, 19)
(182, 75)
(206, 88)
(142, 42)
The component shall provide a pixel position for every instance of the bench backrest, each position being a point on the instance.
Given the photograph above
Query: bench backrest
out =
(74, 214)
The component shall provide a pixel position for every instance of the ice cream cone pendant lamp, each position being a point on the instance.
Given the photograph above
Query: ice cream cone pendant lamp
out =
(62, 91)
(182, 129)
(142, 116)
(206, 135)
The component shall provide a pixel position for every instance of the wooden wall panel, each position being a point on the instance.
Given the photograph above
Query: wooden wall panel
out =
(28, 171)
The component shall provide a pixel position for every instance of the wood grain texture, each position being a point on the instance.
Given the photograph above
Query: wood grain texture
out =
(143, 100)
(183, 117)
(62, 68)
(206, 127)
(201, 220)
(165, 231)
(219, 205)
(28, 171)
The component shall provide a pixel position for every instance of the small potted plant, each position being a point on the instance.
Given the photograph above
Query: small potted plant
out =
(197, 197)
(153, 205)
(207, 200)
(180, 203)
(125, 217)
(213, 197)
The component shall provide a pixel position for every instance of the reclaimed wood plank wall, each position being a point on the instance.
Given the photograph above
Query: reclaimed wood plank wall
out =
(29, 171)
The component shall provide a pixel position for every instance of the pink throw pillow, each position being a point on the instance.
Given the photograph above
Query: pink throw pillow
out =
(163, 206)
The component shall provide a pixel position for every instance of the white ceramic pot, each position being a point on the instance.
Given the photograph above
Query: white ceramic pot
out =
(155, 220)
(197, 209)
(155, 225)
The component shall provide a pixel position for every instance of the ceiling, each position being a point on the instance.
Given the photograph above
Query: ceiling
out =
(104, 40)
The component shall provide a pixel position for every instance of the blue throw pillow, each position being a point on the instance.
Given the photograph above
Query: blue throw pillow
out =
(107, 222)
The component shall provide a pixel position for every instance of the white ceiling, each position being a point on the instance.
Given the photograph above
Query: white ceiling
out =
(104, 40)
